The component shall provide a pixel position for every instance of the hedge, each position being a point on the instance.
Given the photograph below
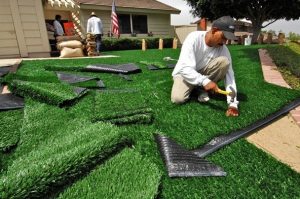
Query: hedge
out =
(110, 44)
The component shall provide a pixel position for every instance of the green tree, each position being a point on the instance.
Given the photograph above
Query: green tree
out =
(257, 11)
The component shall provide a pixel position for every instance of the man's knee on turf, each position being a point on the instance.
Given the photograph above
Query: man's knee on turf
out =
(177, 99)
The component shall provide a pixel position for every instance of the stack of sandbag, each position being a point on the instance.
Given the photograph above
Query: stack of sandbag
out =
(91, 44)
(67, 38)
(70, 46)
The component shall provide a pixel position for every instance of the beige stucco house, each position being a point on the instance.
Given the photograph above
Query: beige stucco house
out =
(23, 30)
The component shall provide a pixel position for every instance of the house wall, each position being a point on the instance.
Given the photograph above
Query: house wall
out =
(158, 24)
(50, 14)
(22, 28)
(8, 37)
(181, 32)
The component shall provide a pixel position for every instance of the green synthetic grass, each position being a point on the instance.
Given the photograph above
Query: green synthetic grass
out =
(251, 172)
(128, 172)
(51, 93)
(10, 124)
(121, 108)
(44, 161)
(157, 64)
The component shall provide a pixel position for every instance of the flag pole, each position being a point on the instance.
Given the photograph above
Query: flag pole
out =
(110, 31)
(114, 20)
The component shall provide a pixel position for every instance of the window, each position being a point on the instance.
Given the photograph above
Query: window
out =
(139, 24)
(124, 23)
(133, 24)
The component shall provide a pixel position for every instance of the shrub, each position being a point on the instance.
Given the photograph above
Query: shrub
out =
(294, 36)
(111, 44)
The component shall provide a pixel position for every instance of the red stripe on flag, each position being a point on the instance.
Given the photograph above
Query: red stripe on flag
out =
(114, 20)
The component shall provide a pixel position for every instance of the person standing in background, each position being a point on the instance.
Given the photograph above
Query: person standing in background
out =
(58, 29)
(94, 26)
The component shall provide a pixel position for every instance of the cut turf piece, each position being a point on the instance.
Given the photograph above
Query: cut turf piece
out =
(43, 123)
(50, 93)
(63, 68)
(9, 101)
(116, 107)
(80, 81)
(127, 175)
(92, 84)
(157, 65)
(72, 78)
(100, 84)
(104, 68)
(124, 90)
(140, 118)
(122, 68)
(10, 124)
(183, 163)
(126, 77)
(223, 140)
(4, 70)
(62, 159)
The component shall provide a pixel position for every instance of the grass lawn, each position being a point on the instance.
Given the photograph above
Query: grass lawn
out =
(76, 152)
(287, 58)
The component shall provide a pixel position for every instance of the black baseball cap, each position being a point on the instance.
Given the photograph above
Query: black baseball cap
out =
(226, 25)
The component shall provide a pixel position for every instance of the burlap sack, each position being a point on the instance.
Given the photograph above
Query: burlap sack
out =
(68, 38)
(91, 49)
(71, 52)
(69, 44)
(90, 36)
(91, 44)
(91, 54)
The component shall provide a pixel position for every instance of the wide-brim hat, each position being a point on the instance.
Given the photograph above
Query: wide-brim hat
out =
(93, 13)
(226, 25)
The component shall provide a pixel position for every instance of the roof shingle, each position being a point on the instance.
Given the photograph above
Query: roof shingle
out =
(146, 4)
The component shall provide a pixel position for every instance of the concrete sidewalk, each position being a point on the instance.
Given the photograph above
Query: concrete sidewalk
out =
(280, 139)
(272, 75)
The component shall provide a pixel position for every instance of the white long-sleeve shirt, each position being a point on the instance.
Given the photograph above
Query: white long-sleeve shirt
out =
(195, 55)
(58, 28)
(94, 25)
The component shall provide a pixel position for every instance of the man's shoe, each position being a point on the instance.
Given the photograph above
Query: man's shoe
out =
(203, 97)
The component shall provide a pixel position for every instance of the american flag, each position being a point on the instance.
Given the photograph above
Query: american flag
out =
(114, 20)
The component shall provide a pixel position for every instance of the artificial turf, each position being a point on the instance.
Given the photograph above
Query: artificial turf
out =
(49, 134)
(121, 107)
(51, 93)
(10, 124)
(127, 172)
(52, 154)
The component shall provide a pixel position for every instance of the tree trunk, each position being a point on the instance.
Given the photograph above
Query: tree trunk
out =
(256, 26)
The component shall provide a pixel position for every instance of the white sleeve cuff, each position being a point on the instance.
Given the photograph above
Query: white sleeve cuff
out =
(205, 81)
(234, 104)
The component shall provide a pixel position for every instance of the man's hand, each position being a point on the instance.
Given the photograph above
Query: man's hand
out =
(232, 112)
(211, 86)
